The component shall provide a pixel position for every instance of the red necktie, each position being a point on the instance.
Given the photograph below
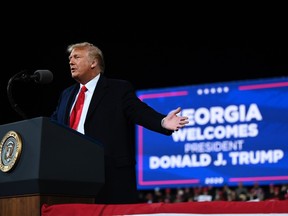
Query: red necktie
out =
(77, 109)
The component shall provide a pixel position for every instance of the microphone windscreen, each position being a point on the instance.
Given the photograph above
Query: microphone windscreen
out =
(43, 76)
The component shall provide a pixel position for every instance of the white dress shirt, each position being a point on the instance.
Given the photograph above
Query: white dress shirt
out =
(91, 85)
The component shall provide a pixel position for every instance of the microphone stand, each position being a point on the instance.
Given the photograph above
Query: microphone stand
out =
(14, 105)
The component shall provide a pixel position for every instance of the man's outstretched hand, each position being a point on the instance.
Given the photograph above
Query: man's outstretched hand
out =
(174, 122)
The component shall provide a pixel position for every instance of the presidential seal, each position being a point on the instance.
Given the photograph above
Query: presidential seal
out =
(10, 150)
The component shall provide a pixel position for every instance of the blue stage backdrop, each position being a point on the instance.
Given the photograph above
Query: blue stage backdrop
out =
(237, 132)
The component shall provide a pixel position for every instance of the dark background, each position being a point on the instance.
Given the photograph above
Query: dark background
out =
(169, 50)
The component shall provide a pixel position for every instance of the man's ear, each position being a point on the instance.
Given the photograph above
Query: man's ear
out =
(94, 64)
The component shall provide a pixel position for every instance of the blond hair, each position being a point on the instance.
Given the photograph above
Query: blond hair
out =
(94, 52)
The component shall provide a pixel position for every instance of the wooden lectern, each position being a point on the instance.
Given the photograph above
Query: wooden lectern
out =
(43, 162)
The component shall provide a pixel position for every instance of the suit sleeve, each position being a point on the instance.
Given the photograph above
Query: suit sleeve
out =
(141, 113)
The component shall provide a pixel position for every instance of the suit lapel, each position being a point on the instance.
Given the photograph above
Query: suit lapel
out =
(99, 92)
(70, 100)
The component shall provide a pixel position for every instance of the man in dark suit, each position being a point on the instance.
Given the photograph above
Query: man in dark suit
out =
(110, 112)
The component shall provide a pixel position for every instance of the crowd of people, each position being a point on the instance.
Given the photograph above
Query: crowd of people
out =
(196, 194)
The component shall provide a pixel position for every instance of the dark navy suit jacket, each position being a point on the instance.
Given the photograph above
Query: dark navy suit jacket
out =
(113, 112)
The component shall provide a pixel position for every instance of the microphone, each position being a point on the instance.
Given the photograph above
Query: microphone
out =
(39, 76)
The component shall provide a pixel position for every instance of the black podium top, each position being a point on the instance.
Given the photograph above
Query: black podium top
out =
(51, 160)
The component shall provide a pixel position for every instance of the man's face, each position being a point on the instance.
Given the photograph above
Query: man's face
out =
(80, 64)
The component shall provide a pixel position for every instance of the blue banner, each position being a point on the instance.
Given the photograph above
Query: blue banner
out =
(237, 132)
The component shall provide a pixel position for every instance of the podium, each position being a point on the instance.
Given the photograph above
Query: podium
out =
(43, 162)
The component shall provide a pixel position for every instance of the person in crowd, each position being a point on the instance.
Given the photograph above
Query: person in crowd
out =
(257, 192)
(242, 193)
(108, 110)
